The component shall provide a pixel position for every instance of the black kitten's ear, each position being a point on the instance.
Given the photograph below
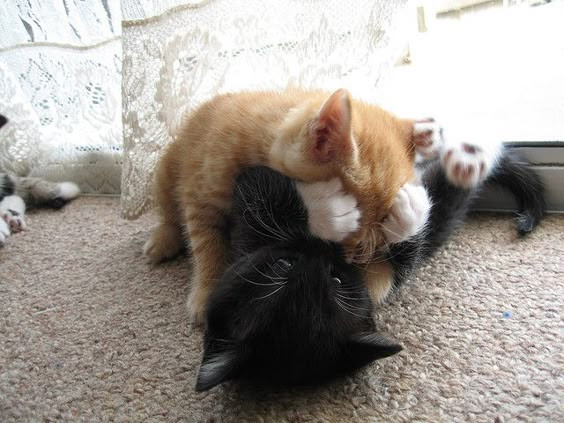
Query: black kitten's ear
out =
(216, 368)
(3, 121)
(363, 349)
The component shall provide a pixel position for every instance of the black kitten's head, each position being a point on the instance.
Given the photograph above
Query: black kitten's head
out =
(289, 310)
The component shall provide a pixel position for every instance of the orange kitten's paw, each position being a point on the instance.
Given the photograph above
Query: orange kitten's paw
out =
(428, 138)
(197, 307)
(165, 243)
(466, 164)
(332, 213)
(408, 214)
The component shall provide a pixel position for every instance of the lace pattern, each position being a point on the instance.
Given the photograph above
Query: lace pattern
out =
(178, 59)
(60, 87)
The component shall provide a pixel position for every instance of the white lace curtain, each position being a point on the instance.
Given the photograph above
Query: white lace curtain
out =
(60, 88)
(178, 55)
(60, 74)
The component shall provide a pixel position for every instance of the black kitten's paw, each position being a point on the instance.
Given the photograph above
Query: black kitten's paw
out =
(428, 138)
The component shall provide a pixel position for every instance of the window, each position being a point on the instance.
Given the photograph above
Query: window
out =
(494, 70)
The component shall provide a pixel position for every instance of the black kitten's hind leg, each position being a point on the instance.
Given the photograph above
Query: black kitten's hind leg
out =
(451, 203)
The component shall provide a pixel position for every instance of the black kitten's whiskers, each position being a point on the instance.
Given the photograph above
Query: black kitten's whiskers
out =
(256, 283)
(344, 297)
(268, 295)
(343, 307)
(271, 232)
(273, 278)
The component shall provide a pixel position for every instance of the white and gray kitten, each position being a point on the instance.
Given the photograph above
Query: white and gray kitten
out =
(17, 193)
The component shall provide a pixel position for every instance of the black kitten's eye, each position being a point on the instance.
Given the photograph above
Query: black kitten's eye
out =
(336, 280)
(285, 264)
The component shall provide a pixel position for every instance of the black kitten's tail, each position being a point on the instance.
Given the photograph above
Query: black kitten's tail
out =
(451, 203)
(525, 185)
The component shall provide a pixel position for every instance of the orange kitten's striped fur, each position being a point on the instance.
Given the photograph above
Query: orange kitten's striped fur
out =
(307, 135)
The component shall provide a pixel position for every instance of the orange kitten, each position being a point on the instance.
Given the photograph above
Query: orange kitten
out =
(307, 135)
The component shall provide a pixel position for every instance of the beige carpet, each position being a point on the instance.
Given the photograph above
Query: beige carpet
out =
(88, 332)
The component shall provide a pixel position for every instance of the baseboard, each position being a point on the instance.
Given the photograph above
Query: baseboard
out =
(548, 161)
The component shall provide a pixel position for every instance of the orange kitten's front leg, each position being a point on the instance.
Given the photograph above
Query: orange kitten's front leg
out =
(408, 214)
(333, 215)
(407, 217)
(209, 248)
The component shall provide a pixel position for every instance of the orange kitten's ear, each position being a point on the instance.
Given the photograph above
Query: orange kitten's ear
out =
(331, 130)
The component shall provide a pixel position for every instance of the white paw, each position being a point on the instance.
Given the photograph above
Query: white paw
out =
(428, 138)
(4, 232)
(15, 220)
(332, 214)
(68, 190)
(466, 164)
(408, 215)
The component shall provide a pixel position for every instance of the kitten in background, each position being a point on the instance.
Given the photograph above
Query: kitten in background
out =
(17, 193)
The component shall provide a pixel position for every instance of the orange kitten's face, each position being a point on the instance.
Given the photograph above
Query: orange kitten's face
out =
(316, 142)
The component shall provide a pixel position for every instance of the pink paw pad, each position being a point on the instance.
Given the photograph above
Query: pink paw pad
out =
(14, 220)
(427, 137)
(465, 165)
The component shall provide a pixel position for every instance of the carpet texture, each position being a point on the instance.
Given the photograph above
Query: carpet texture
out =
(89, 332)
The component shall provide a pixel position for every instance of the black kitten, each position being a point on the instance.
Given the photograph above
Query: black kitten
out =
(290, 310)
